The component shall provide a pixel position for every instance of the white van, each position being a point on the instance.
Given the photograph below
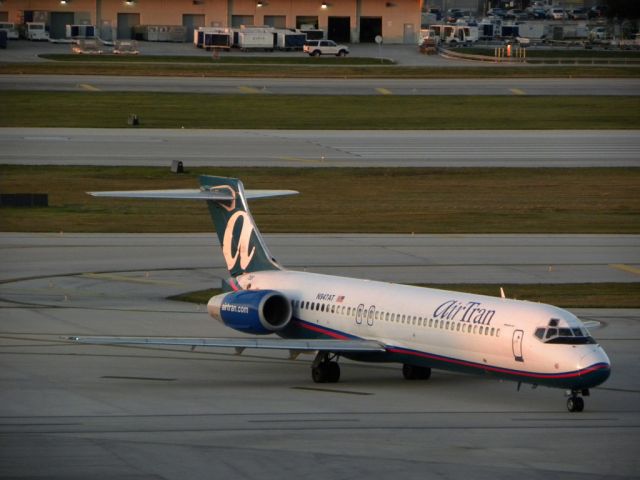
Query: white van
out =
(12, 31)
(36, 31)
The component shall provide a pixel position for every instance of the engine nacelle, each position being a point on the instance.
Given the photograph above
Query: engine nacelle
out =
(252, 311)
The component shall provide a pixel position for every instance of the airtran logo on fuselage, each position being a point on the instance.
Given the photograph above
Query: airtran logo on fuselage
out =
(470, 312)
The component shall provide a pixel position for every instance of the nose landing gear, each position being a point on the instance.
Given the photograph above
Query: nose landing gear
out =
(575, 403)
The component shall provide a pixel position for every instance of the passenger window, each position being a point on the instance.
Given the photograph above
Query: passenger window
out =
(386, 316)
(349, 311)
(313, 306)
(492, 331)
(447, 326)
(333, 309)
(458, 328)
(430, 322)
(475, 329)
(497, 332)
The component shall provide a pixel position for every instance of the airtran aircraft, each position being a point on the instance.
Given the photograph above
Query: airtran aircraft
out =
(369, 321)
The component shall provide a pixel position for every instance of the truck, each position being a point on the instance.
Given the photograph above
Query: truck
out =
(36, 31)
(455, 35)
(12, 31)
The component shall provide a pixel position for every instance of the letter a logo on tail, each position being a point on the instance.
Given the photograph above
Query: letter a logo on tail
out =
(242, 248)
(242, 245)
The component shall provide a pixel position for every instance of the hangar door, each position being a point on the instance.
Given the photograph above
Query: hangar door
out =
(339, 29)
(369, 28)
(126, 22)
(192, 21)
(276, 21)
(59, 22)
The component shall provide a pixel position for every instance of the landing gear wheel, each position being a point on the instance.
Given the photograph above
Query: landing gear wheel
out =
(575, 404)
(324, 370)
(413, 372)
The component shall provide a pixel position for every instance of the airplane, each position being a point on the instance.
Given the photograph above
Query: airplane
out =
(372, 321)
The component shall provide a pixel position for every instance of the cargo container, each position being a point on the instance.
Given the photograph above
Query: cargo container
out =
(290, 40)
(160, 33)
(80, 31)
(212, 37)
(256, 39)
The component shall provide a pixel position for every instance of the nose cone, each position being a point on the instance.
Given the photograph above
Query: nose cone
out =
(595, 367)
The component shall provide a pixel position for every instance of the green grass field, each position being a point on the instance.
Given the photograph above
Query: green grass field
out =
(311, 70)
(380, 200)
(223, 59)
(171, 110)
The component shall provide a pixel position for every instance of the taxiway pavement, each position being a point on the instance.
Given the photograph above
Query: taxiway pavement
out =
(326, 86)
(303, 148)
(81, 411)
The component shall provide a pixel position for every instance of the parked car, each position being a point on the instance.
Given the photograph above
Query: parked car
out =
(324, 47)
(516, 14)
(578, 14)
(598, 11)
(556, 13)
(496, 12)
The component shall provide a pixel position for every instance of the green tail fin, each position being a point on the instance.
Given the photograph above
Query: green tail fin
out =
(242, 244)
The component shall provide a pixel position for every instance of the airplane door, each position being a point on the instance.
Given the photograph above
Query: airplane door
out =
(517, 345)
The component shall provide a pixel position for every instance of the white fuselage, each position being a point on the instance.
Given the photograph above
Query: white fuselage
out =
(447, 329)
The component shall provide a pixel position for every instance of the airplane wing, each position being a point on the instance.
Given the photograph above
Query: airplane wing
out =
(328, 345)
(592, 324)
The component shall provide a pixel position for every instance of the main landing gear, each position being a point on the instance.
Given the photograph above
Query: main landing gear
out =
(575, 403)
(413, 372)
(325, 368)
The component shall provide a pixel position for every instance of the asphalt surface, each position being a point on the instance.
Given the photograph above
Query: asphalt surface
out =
(78, 411)
(400, 258)
(304, 148)
(325, 86)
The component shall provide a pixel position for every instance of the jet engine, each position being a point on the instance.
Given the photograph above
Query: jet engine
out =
(258, 312)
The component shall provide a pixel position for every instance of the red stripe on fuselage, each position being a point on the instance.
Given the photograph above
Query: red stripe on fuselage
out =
(490, 368)
(324, 331)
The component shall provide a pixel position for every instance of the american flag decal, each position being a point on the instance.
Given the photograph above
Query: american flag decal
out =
(340, 299)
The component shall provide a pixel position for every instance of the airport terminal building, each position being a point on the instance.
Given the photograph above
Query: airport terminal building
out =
(355, 21)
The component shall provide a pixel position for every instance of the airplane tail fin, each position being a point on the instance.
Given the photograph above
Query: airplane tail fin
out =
(243, 247)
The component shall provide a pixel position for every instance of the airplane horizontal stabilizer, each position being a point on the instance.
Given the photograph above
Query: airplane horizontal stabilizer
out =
(193, 194)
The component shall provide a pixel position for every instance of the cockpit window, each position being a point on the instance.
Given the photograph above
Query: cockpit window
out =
(567, 336)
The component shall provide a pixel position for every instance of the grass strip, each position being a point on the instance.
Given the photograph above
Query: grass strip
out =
(300, 59)
(349, 200)
(317, 71)
(317, 112)
(565, 295)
